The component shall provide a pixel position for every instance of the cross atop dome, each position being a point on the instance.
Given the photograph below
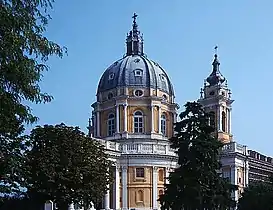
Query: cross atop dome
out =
(216, 49)
(134, 17)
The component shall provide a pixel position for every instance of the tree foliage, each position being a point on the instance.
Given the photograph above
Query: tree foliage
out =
(258, 195)
(24, 51)
(65, 166)
(196, 183)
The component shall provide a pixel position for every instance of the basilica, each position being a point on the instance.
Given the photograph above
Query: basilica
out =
(133, 117)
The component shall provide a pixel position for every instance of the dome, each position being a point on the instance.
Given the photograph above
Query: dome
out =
(135, 71)
(216, 77)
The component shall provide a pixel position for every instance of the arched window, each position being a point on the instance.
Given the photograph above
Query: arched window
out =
(224, 121)
(138, 122)
(161, 175)
(212, 119)
(140, 195)
(111, 124)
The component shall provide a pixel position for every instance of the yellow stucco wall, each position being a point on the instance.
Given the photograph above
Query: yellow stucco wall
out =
(136, 186)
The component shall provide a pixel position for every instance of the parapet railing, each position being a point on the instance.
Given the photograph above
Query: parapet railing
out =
(235, 147)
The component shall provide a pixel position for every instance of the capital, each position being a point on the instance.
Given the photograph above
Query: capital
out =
(124, 168)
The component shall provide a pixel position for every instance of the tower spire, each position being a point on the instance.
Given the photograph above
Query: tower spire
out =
(134, 40)
(215, 77)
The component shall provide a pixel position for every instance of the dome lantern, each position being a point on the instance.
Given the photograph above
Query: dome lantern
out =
(216, 77)
(134, 41)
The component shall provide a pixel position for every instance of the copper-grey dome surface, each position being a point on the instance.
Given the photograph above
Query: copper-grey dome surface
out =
(125, 73)
(135, 69)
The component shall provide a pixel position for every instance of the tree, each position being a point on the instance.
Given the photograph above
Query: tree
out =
(196, 183)
(24, 51)
(258, 195)
(65, 166)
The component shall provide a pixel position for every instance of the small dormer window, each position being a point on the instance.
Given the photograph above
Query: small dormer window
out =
(138, 73)
(111, 76)
(164, 97)
(136, 60)
(211, 93)
(162, 77)
(110, 96)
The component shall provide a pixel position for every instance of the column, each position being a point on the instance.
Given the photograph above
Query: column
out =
(117, 118)
(152, 126)
(219, 119)
(107, 199)
(174, 117)
(116, 189)
(159, 119)
(124, 188)
(247, 173)
(49, 205)
(155, 191)
(98, 123)
(125, 117)
(107, 196)
(229, 120)
(234, 180)
(71, 207)
(167, 173)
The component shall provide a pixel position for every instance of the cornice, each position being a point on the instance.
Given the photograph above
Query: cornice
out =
(149, 156)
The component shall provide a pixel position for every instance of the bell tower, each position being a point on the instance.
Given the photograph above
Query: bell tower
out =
(215, 97)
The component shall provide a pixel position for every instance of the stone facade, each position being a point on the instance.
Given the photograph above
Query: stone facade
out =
(134, 116)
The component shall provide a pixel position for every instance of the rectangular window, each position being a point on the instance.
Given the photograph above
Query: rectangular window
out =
(140, 172)
(111, 127)
(163, 127)
(138, 125)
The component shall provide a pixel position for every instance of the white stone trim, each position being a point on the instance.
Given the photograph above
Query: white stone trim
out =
(116, 189)
(125, 117)
(124, 188)
(159, 119)
(152, 121)
(117, 118)
(167, 173)
(107, 199)
(98, 123)
(155, 193)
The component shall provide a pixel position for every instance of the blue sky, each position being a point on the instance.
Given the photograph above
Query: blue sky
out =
(180, 35)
